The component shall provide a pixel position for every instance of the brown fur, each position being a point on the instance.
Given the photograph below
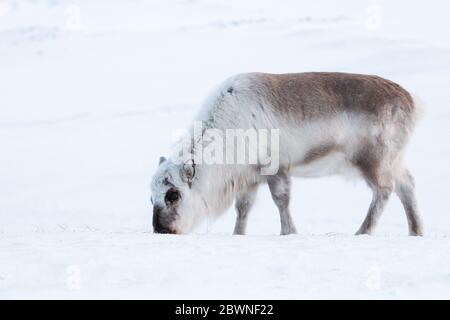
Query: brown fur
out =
(319, 152)
(317, 94)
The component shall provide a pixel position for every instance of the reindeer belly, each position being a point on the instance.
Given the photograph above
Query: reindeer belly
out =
(327, 149)
(337, 150)
(333, 163)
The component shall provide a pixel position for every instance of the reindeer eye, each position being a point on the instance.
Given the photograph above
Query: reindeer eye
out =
(172, 196)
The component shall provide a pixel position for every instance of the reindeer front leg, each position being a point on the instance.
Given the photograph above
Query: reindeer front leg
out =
(244, 202)
(280, 188)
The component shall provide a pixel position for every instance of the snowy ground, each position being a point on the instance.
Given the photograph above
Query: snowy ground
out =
(89, 102)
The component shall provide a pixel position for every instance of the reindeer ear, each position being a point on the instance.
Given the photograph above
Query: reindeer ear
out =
(188, 172)
(161, 160)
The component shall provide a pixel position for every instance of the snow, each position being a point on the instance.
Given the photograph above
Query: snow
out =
(87, 109)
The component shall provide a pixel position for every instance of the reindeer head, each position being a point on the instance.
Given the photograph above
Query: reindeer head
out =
(172, 197)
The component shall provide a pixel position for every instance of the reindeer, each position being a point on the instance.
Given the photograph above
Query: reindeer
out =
(329, 123)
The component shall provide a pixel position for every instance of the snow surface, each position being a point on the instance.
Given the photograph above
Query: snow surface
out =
(87, 109)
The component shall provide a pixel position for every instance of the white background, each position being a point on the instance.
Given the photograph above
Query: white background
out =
(91, 93)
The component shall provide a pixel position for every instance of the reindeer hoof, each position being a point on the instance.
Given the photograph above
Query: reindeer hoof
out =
(363, 232)
(288, 232)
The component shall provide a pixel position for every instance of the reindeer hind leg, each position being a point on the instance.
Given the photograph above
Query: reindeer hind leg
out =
(374, 167)
(405, 190)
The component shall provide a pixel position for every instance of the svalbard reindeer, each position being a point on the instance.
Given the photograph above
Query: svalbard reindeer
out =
(329, 123)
